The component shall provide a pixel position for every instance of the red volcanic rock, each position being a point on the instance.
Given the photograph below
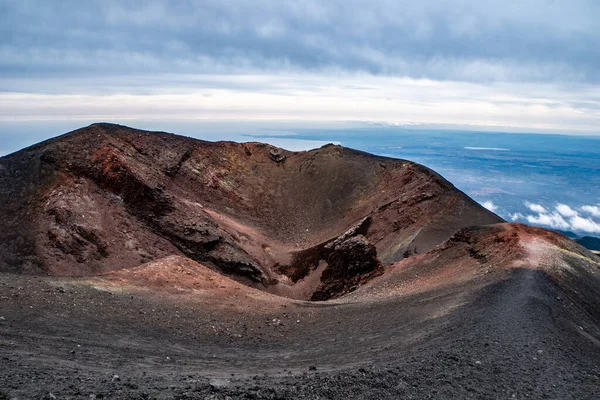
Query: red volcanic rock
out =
(108, 197)
(352, 261)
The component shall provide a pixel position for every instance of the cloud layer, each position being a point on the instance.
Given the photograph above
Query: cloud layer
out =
(302, 98)
(530, 65)
(538, 40)
(490, 205)
(563, 217)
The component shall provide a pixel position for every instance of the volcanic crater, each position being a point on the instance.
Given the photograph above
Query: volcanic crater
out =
(138, 264)
(306, 225)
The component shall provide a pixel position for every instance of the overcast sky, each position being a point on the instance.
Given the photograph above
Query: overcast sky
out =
(521, 65)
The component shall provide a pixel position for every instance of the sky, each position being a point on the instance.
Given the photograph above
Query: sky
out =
(527, 66)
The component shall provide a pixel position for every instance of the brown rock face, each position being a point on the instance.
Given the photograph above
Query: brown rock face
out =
(108, 197)
(351, 262)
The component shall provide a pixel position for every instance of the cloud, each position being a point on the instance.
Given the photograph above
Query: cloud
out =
(284, 98)
(564, 217)
(490, 205)
(442, 40)
(516, 216)
(565, 210)
(424, 62)
(584, 224)
(553, 220)
(486, 148)
(593, 210)
(535, 207)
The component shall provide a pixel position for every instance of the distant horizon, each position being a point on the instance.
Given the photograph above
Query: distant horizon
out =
(22, 134)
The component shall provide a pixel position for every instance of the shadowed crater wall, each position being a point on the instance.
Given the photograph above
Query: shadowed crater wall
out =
(312, 224)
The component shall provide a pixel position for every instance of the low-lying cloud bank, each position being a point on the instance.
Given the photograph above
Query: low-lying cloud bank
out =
(583, 219)
(490, 205)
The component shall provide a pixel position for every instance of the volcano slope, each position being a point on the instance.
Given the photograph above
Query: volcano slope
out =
(108, 197)
(419, 305)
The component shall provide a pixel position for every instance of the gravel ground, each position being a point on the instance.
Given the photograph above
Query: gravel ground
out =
(513, 335)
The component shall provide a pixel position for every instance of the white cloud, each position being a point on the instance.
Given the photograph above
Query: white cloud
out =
(563, 217)
(289, 96)
(566, 211)
(490, 205)
(516, 216)
(305, 61)
(593, 210)
(538, 208)
(554, 220)
(584, 224)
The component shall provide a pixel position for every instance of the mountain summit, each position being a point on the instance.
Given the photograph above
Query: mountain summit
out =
(108, 197)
